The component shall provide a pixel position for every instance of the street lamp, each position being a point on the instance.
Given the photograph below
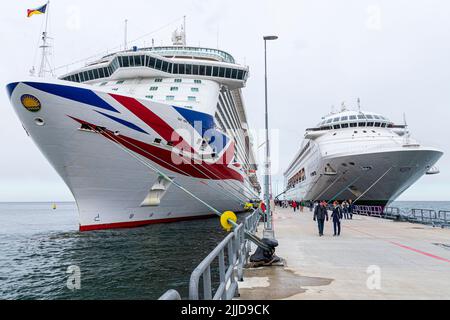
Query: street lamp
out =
(268, 228)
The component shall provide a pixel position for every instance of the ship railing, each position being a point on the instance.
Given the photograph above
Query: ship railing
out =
(225, 263)
(172, 295)
(370, 211)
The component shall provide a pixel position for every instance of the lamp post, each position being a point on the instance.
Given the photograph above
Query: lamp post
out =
(268, 228)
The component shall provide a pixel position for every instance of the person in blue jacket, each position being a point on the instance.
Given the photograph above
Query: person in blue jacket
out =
(336, 216)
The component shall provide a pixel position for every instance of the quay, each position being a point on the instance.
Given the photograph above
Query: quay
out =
(372, 259)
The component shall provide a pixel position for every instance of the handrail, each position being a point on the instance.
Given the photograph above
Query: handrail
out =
(424, 216)
(231, 254)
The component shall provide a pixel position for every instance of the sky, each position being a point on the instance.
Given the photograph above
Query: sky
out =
(393, 55)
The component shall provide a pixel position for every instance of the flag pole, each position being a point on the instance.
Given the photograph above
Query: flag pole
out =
(44, 46)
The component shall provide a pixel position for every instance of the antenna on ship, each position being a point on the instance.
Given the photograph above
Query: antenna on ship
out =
(45, 47)
(179, 37)
(125, 44)
(407, 134)
(359, 105)
(343, 107)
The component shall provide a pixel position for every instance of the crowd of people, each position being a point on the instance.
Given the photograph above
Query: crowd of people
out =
(339, 211)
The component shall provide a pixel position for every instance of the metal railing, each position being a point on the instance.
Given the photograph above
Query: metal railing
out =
(424, 216)
(231, 255)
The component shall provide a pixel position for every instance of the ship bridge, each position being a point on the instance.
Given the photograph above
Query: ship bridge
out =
(165, 62)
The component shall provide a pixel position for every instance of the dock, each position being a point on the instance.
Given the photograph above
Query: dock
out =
(372, 259)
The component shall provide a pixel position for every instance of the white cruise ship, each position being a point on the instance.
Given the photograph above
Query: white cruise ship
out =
(178, 109)
(360, 156)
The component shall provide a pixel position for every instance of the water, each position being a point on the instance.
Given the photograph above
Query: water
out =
(38, 244)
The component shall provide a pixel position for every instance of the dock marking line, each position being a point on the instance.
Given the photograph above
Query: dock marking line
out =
(403, 246)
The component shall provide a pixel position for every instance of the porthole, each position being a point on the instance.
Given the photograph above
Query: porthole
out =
(39, 122)
(117, 133)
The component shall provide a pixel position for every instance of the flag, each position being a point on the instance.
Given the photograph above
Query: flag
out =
(40, 10)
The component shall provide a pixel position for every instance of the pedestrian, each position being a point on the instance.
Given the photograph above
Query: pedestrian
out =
(320, 215)
(345, 210)
(351, 208)
(263, 207)
(302, 205)
(336, 216)
(294, 205)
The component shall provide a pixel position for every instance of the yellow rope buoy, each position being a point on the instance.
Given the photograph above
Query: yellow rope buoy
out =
(248, 206)
(228, 215)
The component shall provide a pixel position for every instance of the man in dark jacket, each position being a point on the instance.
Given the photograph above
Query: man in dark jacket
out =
(351, 208)
(320, 214)
(336, 216)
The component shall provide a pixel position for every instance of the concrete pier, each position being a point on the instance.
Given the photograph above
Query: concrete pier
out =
(372, 259)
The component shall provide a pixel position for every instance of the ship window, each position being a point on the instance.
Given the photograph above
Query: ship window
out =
(120, 81)
(344, 125)
(344, 118)
(149, 97)
(120, 61)
(228, 73)
(383, 125)
(103, 84)
(181, 69)
(353, 125)
(197, 81)
(377, 124)
(158, 80)
(91, 75)
(115, 89)
(195, 69)
(222, 72)
(377, 117)
(352, 117)
(209, 71)
(194, 89)
(188, 69)
(215, 71)
(365, 131)
(137, 61)
(96, 74)
(202, 70)
(153, 88)
(240, 75)
(192, 98)
(158, 64)
(336, 119)
(131, 61)
(101, 73)
(355, 132)
(165, 66)
(174, 89)
(368, 116)
(330, 121)
(370, 124)
(158, 140)
(361, 124)
(336, 126)
(233, 74)
(361, 116)
(170, 98)
(151, 62)
(178, 80)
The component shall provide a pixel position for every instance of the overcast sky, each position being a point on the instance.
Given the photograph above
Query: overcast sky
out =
(393, 54)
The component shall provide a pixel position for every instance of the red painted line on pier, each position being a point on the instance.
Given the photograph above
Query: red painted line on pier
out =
(419, 251)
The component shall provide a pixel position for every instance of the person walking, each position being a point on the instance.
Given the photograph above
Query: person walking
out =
(336, 216)
(294, 205)
(320, 215)
(351, 208)
(345, 210)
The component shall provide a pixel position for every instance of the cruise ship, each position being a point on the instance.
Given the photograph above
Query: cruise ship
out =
(359, 156)
(115, 129)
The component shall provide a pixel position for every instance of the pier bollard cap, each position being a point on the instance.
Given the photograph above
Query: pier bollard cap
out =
(228, 215)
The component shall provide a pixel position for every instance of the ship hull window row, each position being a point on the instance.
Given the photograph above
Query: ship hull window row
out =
(154, 63)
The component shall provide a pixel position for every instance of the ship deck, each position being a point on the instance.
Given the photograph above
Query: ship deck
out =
(373, 259)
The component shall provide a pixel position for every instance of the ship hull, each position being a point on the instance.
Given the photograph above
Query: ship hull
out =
(104, 148)
(374, 179)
